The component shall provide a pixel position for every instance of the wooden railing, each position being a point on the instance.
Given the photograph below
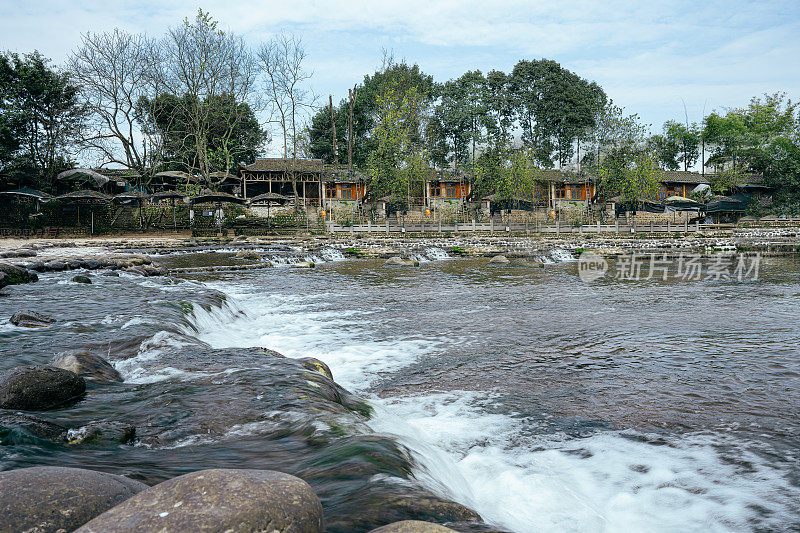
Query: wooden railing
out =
(514, 227)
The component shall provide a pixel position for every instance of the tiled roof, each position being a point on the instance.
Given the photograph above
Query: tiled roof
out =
(279, 164)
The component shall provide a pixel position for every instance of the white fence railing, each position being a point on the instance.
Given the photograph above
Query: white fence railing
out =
(516, 227)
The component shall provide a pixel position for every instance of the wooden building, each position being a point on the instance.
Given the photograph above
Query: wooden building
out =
(447, 188)
(344, 185)
(275, 175)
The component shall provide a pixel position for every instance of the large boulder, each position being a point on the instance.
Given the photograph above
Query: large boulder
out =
(82, 279)
(387, 508)
(412, 526)
(18, 274)
(499, 260)
(4, 279)
(218, 500)
(303, 264)
(92, 367)
(38, 388)
(30, 319)
(46, 499)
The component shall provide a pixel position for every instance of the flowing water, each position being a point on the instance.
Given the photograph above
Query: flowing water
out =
(541, 402)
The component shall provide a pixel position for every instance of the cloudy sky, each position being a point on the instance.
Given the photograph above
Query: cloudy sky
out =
(650, 57)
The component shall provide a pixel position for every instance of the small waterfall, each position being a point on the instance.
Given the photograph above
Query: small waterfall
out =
(560, 255)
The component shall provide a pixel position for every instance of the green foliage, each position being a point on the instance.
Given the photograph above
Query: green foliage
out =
(554, 106)
(39, 118)
(678, 145)
(366, 112)
(399, 160)
(630, 173)
(233, 136)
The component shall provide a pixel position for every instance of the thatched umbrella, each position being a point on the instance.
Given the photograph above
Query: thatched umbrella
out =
(217, 198)
(98, 178)
(86, 196)
(269, 198)
(128, 196)
(28, 193)
(171, 195)
(176, 175)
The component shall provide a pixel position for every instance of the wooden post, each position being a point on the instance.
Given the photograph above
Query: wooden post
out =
(350, 133)
(558, 227)
(333, 127)
(616, 226)
(651, 226)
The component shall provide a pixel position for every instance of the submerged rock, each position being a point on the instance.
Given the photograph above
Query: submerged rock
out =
(303, 264)
(39, 388)
(30, 319)
(17, 274)
(399, 261)
(248, 254)
(106, 432)
(90, 366)
(499, 260)
(45, 499)
(82, 279)
(388, 508)
(111, 273)
(218, 500)
(57, 266)
(412, 526)
(38, 427)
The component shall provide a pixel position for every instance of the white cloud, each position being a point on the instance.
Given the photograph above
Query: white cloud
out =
(647, 55)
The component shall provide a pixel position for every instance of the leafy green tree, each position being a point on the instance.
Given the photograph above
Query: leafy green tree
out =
(630, 173)
(678, 145)
(233, 135)
(41, 118)
(554, 107)
(399, 160)
(366, 112)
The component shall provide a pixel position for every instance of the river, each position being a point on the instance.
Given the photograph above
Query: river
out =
(542, 402)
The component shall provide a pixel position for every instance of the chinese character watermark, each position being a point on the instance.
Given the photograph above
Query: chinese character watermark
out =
(683, 267)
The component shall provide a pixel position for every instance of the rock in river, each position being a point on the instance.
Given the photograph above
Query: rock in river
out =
(104, 432)
(29, 319)
(499, 260)
(82, 279)
(412, 526)
(38, 388)
(218, 500)
(46, 499)
(399, 261)
(17, 274)
(90, 366)
(4, 279)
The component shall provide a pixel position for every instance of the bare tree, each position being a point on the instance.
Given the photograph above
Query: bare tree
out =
(112, 70)
(201, 63)
(285, 83)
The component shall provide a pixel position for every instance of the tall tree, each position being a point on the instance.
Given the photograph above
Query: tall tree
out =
(198, 63)
(282, 62)
(114, 72)
(554, 107)
(678, 145)
(41, 118)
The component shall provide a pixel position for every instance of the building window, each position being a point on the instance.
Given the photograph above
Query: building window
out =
(576, 193)
(451, 191)
(561, 193)
(436, 190)
(347, 192)
(330, 192)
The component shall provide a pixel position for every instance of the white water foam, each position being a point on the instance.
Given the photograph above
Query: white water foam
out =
(609, 481)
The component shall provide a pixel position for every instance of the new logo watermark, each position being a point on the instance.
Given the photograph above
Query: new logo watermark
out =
(684, 267)
(591, 266)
